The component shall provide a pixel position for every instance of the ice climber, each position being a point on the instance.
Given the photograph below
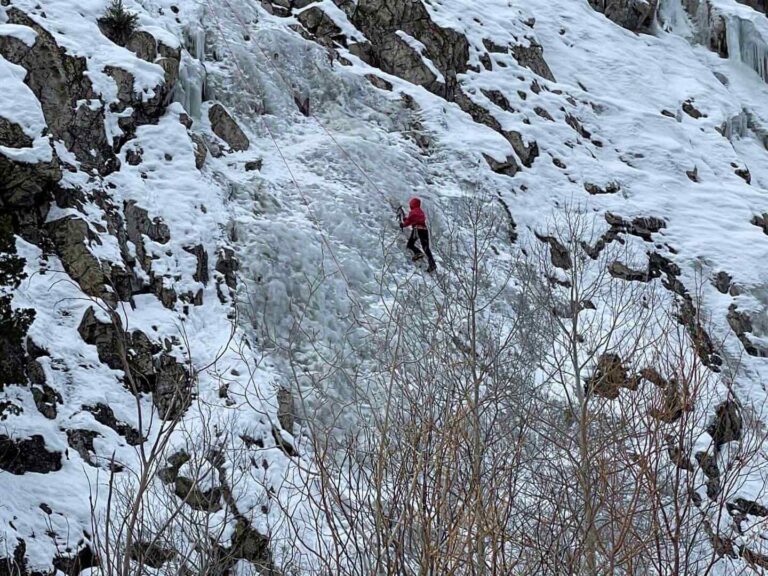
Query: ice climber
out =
(417, 221)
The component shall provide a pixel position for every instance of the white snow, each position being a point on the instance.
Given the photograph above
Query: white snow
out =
(311, 216)
(17, 102)
(23, 33)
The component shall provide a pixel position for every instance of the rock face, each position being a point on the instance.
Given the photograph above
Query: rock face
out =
(27, 186)
(63, 88)
(383, 22)
(741, 324)
(146, 367)
(403, 40)
(634, 15)
(15, 322)
(71, 235)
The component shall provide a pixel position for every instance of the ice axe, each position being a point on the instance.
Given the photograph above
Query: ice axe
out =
(400, 214)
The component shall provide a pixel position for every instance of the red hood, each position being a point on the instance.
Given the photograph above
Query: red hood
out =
(414, 203)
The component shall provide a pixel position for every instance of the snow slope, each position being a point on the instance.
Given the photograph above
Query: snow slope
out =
(314, 227)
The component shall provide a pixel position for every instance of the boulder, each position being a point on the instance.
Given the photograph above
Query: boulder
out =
(227, 129)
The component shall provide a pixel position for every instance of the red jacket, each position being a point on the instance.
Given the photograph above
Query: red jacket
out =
(416, 217)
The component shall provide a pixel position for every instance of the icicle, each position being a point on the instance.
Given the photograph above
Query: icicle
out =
(190, 88)
(194, 41)
(748, 45)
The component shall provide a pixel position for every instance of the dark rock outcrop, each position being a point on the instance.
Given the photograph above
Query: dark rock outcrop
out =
(609, 188)
(14, 322)
(12, 135)
(634, 15)
(727, 424)
(139, 224)
(46, 400)
(285, 409)
(610, 376)
(201, 270)
(710, 469)
(381, 20)
(622, 271)
(761, 221)
(532, 57)
(203, 500)
(81, 441)
(675, 403)
(104, 415)
(27, 455)
(71, 237)
(741, 324)
(559, 254)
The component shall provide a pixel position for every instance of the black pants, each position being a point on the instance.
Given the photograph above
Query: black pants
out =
(422, 235)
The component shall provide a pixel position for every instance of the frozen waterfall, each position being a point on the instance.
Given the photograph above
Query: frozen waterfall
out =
(190, 88)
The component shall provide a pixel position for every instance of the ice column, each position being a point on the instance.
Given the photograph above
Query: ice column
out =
(190, 88)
